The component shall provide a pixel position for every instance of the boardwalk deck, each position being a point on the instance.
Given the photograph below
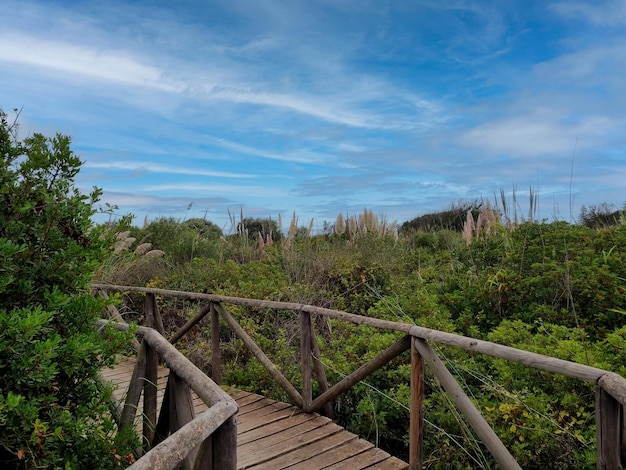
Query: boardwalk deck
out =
(273, 435)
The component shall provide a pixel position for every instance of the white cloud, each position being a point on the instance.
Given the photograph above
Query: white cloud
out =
(535, 135)
(248, 191)
(155, 168)
(98, 63)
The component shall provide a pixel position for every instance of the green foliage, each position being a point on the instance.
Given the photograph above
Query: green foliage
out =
(53, 407)
(552, 288)
(601, 216)
(450, 219)
(183, 241)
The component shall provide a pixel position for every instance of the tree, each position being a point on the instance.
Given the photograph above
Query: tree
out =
(54, 411)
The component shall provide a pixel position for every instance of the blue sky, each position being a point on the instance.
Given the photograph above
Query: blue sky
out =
(197, 108)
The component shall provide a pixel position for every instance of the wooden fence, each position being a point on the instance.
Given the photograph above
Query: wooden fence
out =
(177, 438)
(610, 387)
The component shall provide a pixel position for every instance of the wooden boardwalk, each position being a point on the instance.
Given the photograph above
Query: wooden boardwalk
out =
(273, 435)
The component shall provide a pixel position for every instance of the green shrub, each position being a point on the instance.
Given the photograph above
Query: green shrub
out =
(54, 411)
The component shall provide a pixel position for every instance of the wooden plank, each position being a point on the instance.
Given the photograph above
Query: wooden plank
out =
(390, 463)
(302, 455)
(259, 405)
(274, 434)
(282, 443)
(338, 454)
(365, 459)
(265, 431)
(249, 400)
(265, 416)
(264, 406)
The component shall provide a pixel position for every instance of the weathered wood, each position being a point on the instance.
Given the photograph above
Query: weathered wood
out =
(260, 418)
(320, 374)
(169, 453)
(365, 370)
(609, 428)
(479, 424)
(559, 366)
(537, 361)
(204, 387)
(182, 331)
(416, 414)
(216, 352)
(181, 410)
(162, 430)
(260, 355)
(327, 312)
(615, 385)
(612, 384)
(150, 396)
(224, 443)
(134, 390)
(153, 316)
(305, 353)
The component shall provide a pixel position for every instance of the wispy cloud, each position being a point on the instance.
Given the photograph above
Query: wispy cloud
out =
(402, 106)
(156, 168)
(196, 188)
(108, 65)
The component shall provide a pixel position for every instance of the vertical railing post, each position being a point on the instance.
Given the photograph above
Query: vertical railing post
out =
(225, 445)
(416, 424)
(305, 352)
(150, 396)
(320, 373)
(216, 357)
(609, 429)
(153, 316)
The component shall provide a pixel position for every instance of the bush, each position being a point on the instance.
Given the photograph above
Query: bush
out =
(54, 411)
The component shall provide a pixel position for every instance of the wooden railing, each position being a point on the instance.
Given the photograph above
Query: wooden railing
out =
(176, 436)
(610, 387)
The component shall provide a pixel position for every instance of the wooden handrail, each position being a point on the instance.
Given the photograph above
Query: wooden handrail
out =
(611, 388)
(200, 435)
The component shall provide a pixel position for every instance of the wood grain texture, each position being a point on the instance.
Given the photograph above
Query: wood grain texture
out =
(275, 435)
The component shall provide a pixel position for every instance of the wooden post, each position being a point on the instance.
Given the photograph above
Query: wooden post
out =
(181, 409)
(216, 354)
(225, 445)
(609, 428)
(320, 374)
(416, 426)
(162, 430)
(153, 316)
(150, 396)
(305, 353)
(134, 389)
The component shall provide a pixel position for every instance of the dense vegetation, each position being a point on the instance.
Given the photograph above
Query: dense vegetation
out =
(54, 411)
(552, 287)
